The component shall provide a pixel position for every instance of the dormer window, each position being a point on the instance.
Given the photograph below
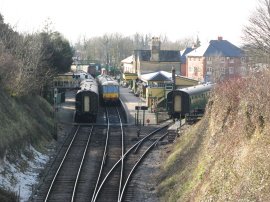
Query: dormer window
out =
(222, 59)
(231, 60)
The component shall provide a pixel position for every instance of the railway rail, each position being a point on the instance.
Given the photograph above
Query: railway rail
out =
(99, 162)
(70, 173)
(130, 167)
(115, 137)
(64, 183)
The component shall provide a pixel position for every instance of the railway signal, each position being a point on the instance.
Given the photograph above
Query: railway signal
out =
(138, 108)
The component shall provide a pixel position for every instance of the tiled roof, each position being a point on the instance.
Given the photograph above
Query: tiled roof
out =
(164, 55)
(217, 48)
(183, 54)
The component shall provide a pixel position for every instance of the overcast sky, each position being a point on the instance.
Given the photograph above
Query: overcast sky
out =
(177, 19)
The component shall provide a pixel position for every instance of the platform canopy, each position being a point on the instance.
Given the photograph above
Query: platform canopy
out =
(157, 76)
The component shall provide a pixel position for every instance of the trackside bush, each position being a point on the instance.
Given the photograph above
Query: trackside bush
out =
(231, 160)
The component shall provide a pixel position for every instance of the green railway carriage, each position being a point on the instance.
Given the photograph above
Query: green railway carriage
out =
(188, 100)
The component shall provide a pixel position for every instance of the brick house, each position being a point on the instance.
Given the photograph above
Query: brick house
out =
(183, 53)
(216, 61)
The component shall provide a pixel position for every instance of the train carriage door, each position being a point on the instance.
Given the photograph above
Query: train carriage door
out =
(177, 103)
(86, 102)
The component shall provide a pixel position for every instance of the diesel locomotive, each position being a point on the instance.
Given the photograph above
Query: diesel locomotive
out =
(108, 89)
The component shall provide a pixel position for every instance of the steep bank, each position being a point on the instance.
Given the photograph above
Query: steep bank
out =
(26, 127)
(224, 157)
(24, 121)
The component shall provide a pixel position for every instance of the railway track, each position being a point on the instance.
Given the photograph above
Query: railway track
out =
(128, 163)
(114, 151)
(98, 163)
(64, 183)
(69, 177)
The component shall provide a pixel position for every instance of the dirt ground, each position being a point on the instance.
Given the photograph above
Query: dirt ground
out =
(149, 171)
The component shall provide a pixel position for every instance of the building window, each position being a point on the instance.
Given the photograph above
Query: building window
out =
(208, 60)
(222, 59)
(231, 70)
(243, 59)
(222, 70)
(209, 70)
(231, 60)
(196, 71)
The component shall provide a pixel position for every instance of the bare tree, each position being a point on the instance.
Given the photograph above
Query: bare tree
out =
(256, 34)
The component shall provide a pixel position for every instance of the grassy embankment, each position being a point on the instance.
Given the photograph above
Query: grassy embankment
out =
(24, 121)
(225, 156)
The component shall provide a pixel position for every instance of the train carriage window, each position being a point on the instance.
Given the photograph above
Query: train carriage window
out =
(177, 103)
(86, 104)
(105, 89)
(115, 89)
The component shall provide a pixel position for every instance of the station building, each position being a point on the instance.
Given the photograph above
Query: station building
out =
(149, 73)
(154, 87)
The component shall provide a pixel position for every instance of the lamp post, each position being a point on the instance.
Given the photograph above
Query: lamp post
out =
(150, 100)
(54, 112)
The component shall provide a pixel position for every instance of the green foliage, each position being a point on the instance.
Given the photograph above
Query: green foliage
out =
(58, 52)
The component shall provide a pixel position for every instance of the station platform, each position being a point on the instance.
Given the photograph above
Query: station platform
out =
(65, 111)
(129, 102)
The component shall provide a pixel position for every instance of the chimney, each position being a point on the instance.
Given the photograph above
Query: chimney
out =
(220, 38)
(155, 48)
(173, 77)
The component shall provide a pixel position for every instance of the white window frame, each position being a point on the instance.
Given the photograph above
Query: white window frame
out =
(222, 70)
(209, 70)
(231, 70)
